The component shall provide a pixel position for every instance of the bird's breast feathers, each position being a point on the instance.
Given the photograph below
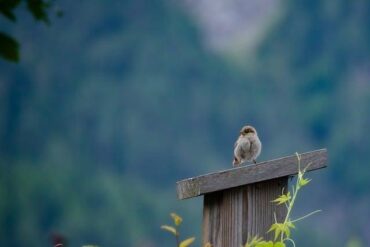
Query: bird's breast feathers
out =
(243, 143)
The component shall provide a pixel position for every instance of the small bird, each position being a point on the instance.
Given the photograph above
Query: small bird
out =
(247, 147)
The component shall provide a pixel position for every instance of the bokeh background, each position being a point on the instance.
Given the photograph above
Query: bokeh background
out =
(116, 100)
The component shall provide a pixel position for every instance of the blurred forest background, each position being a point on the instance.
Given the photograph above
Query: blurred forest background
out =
(115, 101)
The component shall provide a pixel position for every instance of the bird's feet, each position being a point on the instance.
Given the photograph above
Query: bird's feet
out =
(236, 162)
(254, 161)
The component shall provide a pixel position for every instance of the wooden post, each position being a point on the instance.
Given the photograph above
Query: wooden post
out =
(237, 201)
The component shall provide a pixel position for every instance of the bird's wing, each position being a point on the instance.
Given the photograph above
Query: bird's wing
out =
(236, 143)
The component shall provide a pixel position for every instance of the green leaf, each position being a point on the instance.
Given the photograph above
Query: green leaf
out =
(170, 229)
(187, 242)
(282, 199)
(8, 14)
(279, 244)
(279, 228)
(290, 224)
(303, 181)
(38, 9)
(7, 7)
(9, 48)
(265, 244)
(286, 230)
(176, 219)
(276, 227)
(254, 241)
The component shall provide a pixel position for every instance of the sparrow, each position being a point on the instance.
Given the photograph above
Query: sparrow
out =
(247, 147)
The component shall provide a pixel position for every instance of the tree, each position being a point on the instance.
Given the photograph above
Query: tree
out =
(9, 47)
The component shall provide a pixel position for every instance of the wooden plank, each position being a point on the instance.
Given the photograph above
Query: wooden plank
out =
(231, 215)
(249, 174)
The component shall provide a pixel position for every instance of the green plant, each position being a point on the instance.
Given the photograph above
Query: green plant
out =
(354, 242)
(282, 230)
(177, 220)
(9, 47)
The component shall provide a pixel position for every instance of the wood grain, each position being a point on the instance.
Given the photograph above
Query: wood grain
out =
(250, 174)
(231, 215)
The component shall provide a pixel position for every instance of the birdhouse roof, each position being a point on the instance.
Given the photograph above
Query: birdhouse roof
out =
(249, 174)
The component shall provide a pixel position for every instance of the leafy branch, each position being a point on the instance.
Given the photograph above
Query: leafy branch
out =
(9, 47)
(177, 220)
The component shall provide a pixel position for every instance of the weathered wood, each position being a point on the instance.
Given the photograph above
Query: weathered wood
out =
(231, 215)
(249, 174)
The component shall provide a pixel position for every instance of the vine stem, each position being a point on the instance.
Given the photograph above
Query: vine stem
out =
(295, 192)
(177, 240)
(291, 240)
(305, 216)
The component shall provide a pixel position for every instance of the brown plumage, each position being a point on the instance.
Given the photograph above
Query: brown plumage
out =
(247, 147)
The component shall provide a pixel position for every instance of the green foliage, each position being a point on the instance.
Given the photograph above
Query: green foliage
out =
(259, 242)
(9, 47)
(254, 241)
(354, 242)
(39, 8)
(266, 244)
(111, 74)
(109, 203)
(7, 8)
(284, 198)
(177, 220)
(282, 230)
(303, 58)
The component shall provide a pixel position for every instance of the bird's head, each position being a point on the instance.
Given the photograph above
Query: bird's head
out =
(248, 130)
